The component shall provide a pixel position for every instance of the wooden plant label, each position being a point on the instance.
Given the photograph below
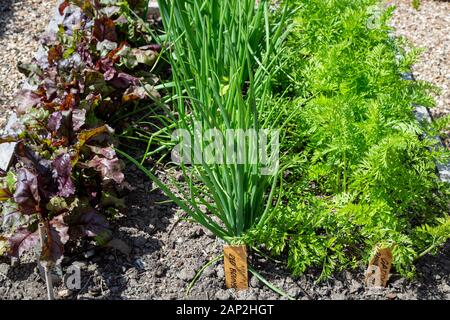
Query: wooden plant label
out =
(236, 269)
(377, 273)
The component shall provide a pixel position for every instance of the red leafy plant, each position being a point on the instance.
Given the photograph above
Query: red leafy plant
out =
(67, 177)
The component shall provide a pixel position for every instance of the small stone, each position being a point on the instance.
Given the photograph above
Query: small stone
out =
(64, 293)
(391, 295)
(398, 283)
(446, 288)
(186, 274)
(220, 273)
(209, 272)
(246, 295)
(133, 283)
(294, 292)
(355, 287)
(92, 267)
(223, 295)
(375, 291)
(95, 292)
(4, 269)
(88, 254)
(255, 283)
(338, 296)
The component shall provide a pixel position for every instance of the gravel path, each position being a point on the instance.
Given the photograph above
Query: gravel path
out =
(428, 28)
(21, 24)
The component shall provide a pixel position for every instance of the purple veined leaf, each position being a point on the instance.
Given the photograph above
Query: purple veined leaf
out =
(27, 99)
(62, 169)
(32, 160)
(124, 80)
(85, 55)
(23, 240)
(78, 118)
(110, 169)
(104, 28)
(34, 167)
(106, 66)
(27, 191)
(50, 35)
(89, 223)
(54, 121)
(107, 152)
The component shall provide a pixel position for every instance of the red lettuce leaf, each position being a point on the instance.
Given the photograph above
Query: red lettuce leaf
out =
(89, 223)
(62, 169)
(27, 191)
(104, 28)
(23, 240)
(107, 163)
(54, 121)
(124, 80)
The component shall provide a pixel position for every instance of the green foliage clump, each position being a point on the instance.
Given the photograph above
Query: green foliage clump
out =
(363, 169)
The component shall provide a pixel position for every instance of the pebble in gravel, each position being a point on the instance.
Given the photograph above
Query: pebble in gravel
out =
(22, 22)
(428, 28)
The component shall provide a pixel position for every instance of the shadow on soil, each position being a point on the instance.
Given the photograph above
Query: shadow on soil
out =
(430, 271)
(147, 213)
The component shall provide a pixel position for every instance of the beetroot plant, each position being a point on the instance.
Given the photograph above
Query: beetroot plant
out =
(67, 176)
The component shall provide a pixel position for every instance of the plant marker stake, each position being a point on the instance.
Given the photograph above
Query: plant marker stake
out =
(377, 274)
(48, 277)
(236, 268)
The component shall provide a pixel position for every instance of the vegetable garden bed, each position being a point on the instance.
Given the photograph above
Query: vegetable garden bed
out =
(152, 250)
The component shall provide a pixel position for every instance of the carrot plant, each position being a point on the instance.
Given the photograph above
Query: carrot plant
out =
(363, 169)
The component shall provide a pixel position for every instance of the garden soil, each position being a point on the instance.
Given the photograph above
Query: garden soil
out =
(159, 251)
